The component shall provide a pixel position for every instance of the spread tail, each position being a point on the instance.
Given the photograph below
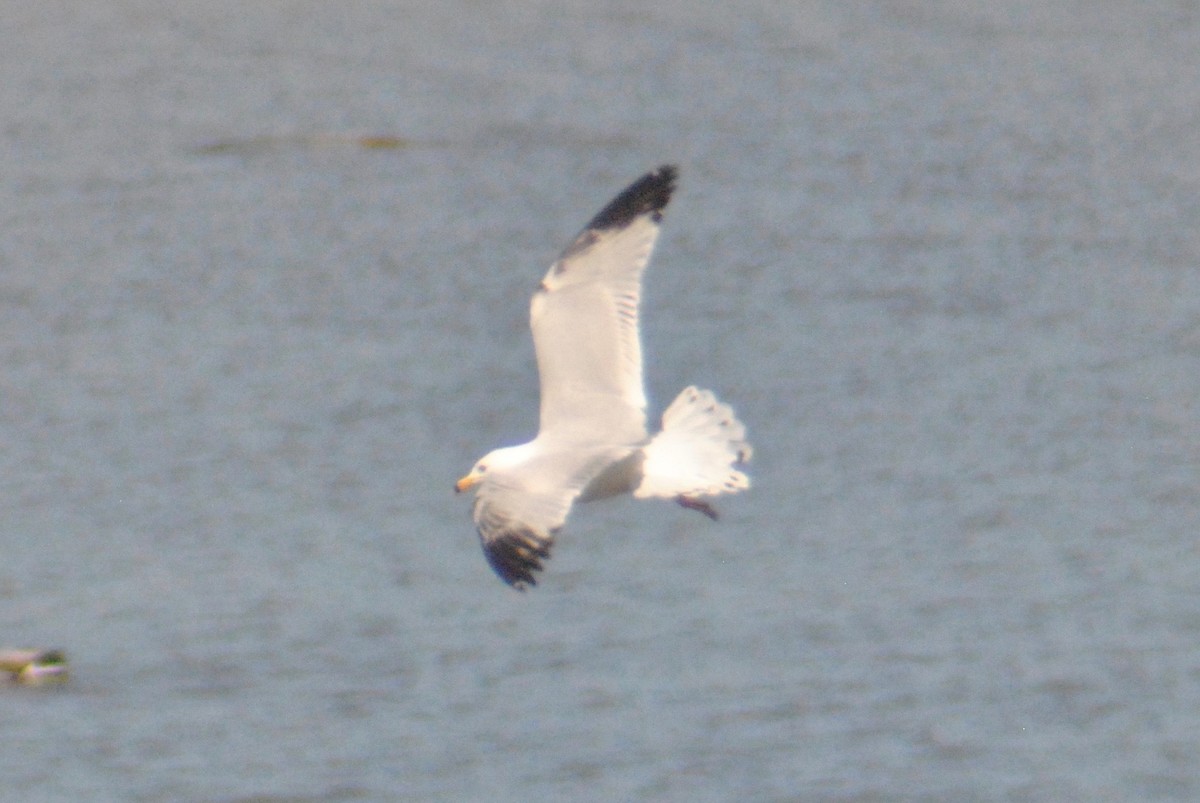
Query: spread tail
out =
(696, 453)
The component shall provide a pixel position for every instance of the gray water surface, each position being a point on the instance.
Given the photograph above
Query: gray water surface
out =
(264, 275)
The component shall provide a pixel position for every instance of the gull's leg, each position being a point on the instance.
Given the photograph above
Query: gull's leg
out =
(697, 504)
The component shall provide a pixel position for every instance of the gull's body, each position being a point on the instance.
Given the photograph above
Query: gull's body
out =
(592, 440)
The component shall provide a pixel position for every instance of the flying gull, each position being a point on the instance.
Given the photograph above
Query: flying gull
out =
(592, 441)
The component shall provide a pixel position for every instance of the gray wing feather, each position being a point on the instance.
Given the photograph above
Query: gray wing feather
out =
(513, 550)
(584, 318)
(518, 516)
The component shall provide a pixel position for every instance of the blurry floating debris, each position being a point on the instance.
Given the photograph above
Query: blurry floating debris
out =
(384, 142)
(34, 667)
(375, 142)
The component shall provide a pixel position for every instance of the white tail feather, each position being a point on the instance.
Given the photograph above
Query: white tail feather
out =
(695, 454)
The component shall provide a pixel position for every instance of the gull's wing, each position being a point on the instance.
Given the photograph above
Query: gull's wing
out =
(519, 512)
(517, 533)
(584, 317)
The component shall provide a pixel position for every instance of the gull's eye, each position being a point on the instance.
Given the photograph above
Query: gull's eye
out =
(481, 469)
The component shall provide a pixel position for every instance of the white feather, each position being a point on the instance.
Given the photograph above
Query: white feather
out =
(592, 439)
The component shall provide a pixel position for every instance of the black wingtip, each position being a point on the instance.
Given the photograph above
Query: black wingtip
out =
(649, 194)
(516, 555)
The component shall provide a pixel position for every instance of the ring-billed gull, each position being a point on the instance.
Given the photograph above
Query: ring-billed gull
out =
(592, 441)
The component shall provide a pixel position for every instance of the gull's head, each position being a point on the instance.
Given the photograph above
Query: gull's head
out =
(495, 460)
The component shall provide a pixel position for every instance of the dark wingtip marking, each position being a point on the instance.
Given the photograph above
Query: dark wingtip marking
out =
(516, 555)
(648, 195)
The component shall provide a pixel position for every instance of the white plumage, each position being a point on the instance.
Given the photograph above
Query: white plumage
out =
(592, 441)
